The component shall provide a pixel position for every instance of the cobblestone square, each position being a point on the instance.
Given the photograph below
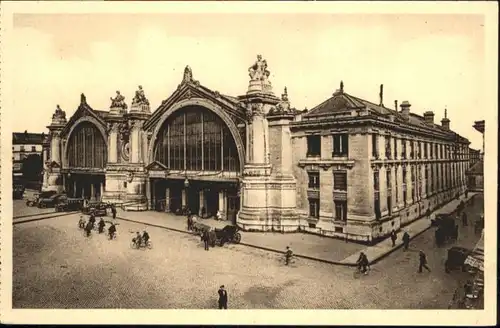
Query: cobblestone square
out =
(55, 266)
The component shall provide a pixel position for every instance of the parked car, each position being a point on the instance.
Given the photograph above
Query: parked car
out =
(50, 201)
(456, 259)
(69, 204)
(18, 191)
(97, 208)
(33, 201)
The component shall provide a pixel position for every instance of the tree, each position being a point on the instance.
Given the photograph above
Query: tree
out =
(32, 167)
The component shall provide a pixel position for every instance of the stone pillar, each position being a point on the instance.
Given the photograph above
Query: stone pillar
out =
(74, 188)
(183, 197)
(222, 202)
(55, 146)
(101, 190)
(113, 144)
(409, 183)
(92, 191)
(360, 189)
(135, 135)
(383, 190)
(167, 199)
(83, 192)
(148, 194)
(202, 201)
(399, 177)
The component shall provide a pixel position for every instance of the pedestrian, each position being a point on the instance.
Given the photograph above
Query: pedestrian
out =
(406, 240)
(190, 222)
(466, 193)
(205, 238)
(422, 262)
(113, 211)
(362, 263)
(222, 298)
(88, 228)
(288, 255)
(101, 225)
(464, 219)
(393, 237)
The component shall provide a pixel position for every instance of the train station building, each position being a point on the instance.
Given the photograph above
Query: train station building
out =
(348, 167)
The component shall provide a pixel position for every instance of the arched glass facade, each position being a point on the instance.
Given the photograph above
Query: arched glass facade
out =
(196, 139)
(86, 147)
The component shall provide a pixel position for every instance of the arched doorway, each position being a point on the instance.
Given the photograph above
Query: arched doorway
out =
(86, 158)
(199, 152)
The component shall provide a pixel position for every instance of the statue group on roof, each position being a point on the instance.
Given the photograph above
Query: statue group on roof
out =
(140, 97)
(259, 71)
(118, 101)
(59, 113)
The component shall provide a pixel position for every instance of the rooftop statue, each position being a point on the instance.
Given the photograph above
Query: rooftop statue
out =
(59, 113)
(258, 71)
(118, 101)
(140, 97)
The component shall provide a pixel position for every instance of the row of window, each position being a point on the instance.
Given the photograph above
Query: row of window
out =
(339, 180)
(340, 145)
(340, 209)
(23, 148)
(418, 149)
(446, 180)
(339, 184)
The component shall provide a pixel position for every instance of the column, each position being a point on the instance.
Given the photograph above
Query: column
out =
(222, 208)
(202, 202)
(399, 177)
(153, 199)
(113, 144)
(45, 155)
(167, 200)
(134, 142)
(83, 192)
(101, 189)
(258, 127)
(74, 188)
(383, 189)
(183, 197)
(56, 147)
(409, 183)
(92, 191)
(64, 183)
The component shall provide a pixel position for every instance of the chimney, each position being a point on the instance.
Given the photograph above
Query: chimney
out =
(445, 122)
(396, 105)
(429, 117)
(381, 95)
(405, 109)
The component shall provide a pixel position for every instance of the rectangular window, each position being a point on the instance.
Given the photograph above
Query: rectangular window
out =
(313, 180)
(389, 191)
(440, 151)
(396, 169)
(340, 145)
(403, 153)
(313, 146)
(413, 196)
(375, 146)
(22, 148)
(314, 207)
(412, 149)
(395, 148)
(419, 150)
(378, 214)
(425, 150)
(340, 181)
(388, 147)
(341, 210)
(405, 191)
(432, 151)
(33, 148)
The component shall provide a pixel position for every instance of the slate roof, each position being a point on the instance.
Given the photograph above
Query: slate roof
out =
(344, 102)
(25, 138)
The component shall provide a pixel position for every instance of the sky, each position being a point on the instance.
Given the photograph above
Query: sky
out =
(434, 61)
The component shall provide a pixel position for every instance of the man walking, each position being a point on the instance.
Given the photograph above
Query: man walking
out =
(422, 262)
(393, 238)
(406, 240)
(205, 238)
(113, 211)
(222, 298)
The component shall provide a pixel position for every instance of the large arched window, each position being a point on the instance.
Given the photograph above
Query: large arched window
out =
(196, 139)
(86, 147)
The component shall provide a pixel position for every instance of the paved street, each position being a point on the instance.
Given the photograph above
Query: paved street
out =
(55, 266)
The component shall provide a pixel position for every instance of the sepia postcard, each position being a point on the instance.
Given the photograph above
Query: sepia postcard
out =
(293, 163)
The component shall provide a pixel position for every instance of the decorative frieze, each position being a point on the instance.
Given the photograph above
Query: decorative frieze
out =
(326, 164)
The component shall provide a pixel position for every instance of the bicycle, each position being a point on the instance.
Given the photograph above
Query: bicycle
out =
(359, 273)
(136, 245)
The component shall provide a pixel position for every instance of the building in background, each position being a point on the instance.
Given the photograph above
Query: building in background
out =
(348, 168)
(27, 156)
(475, 174)
(474, 156)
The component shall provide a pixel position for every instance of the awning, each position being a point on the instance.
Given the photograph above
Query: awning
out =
(476, 259)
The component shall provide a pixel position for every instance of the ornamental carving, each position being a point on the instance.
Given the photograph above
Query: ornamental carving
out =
(125, 151)
(124, 131)
(188, 75)
(118, 101)
(140, 98)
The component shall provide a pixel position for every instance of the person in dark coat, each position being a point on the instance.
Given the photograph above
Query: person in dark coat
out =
(393, 238)
(92, 220)
(113, 211)
(222, 298)
(88, 228)
(101, 225)
(465, 223)
(422, 262)
(406, 240)
(288, 255)
(190, 222)
(205, 238)
(111, 231)
(363, 263)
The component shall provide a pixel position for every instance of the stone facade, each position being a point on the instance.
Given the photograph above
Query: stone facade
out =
(319, 171)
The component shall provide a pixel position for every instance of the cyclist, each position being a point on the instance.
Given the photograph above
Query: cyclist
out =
(362, 263)
(137, 240)
(145, 237)
(101, 226)
(112, 231)
(81, 222)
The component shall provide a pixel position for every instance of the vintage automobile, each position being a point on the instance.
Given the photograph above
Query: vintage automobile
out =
(228, 234)
(447, 228)
(33, 201)
(18, 191)
(96, 208)
(50, 201)
(70, 204)
(456, 259)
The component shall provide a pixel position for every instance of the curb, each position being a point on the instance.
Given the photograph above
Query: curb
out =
(42, 218)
